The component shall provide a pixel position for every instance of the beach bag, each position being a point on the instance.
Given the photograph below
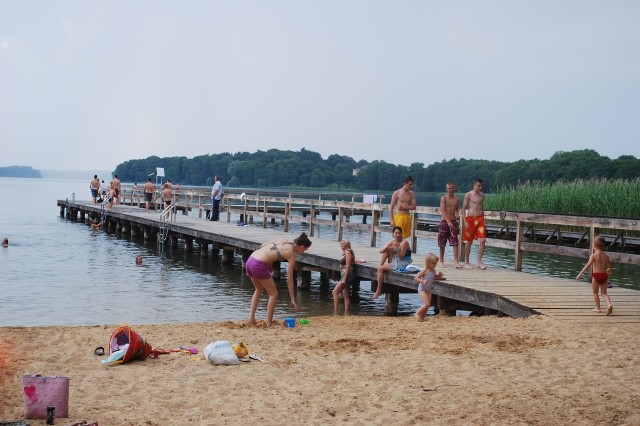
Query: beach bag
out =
(126, 345)
(221, 353)
(40, 392)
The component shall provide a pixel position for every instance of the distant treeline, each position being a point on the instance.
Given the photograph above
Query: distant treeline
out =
(19, 171)
(307, 169)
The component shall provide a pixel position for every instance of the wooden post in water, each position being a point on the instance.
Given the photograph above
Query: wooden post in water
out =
(392, 298)
(414, 226)
(340, 223)
(311, 220)
(518, 248)
(188, 244)
(304, 280)
(265, 207)
(204, 247)
(227, 255)
(375, 216)
(287, 212)
(277, 272)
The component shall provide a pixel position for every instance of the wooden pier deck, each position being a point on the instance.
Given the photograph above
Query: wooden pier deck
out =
(493, 290)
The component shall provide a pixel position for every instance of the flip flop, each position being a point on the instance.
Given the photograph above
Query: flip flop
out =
(256, 357)
(99, 351)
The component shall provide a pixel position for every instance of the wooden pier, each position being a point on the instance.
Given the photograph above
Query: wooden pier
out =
(490, 291)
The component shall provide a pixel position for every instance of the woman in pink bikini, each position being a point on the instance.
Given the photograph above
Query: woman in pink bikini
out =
(258, 268)
(602, 268)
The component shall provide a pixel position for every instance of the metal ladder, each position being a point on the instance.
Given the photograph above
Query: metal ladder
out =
(167, 216)
(103, 209)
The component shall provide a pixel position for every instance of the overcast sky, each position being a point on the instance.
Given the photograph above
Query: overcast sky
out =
(90, 84)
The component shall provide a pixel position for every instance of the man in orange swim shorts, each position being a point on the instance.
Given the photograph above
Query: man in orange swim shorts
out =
(474, 223)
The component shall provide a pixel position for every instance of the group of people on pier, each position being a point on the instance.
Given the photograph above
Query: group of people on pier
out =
(100, 191)
(395, 255)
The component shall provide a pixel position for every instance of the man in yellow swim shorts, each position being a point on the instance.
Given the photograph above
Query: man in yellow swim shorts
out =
(474, 223)
(405, 199)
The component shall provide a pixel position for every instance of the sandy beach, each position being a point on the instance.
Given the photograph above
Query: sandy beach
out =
(360, 370)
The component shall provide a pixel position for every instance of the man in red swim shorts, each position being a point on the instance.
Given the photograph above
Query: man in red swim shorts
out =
(474, 227)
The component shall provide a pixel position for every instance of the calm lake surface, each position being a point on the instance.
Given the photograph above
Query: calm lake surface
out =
(59, 272)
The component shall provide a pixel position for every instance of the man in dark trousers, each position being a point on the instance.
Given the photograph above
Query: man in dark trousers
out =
(216, 196)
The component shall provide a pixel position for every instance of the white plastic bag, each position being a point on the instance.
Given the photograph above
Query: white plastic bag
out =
(220, 352)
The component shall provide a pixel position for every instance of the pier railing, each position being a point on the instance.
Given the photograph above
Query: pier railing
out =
(520, 232)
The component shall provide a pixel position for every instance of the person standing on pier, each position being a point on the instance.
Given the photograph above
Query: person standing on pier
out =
(216, 196)
(347, 278)
(474, 223)
(104, 189)
(94, 185)
(116, 187)
(602, 268)
(404, 199)
(148, 193)
(258, 268)
(166, 197)
(450, 224)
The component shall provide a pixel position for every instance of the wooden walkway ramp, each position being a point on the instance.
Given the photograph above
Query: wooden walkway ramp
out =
(517, 294)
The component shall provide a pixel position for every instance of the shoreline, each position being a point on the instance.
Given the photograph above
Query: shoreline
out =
(355, 369)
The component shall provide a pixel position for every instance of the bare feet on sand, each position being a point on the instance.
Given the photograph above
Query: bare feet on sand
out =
(441, 264)
(458, 266)
(609, 310)
(419, 318)
(467, 266)
(596, 310)
(481, 266)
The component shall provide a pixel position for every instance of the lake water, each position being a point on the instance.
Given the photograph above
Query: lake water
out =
(59, 272)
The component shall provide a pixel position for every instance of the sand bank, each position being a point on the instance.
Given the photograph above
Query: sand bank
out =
(362, 370)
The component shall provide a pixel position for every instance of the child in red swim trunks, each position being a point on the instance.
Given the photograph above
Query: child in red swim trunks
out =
(602, 268)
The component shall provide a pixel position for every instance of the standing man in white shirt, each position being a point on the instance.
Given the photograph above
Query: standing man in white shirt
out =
(216, 196)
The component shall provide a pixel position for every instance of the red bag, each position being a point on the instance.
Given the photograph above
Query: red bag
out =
(137, 347)
(40, 392)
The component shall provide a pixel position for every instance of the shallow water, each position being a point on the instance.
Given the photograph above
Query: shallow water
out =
(59, 272)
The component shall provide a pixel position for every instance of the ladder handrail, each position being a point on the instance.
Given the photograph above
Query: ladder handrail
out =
(167, 216)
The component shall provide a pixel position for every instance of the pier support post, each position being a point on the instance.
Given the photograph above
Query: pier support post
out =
(173, 239)
(355, 291)
(227, 256)
(444, 307)
(148, 234)
(204, 247)
(82, 218)
(135, 230)
(215, 251)
(276, 273)
(125, 226)
(188, 244)
(392, 298)
(245, 256)
(304, 280)
(119, 226)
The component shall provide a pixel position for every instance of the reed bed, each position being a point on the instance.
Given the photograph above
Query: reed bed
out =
(603, 198)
